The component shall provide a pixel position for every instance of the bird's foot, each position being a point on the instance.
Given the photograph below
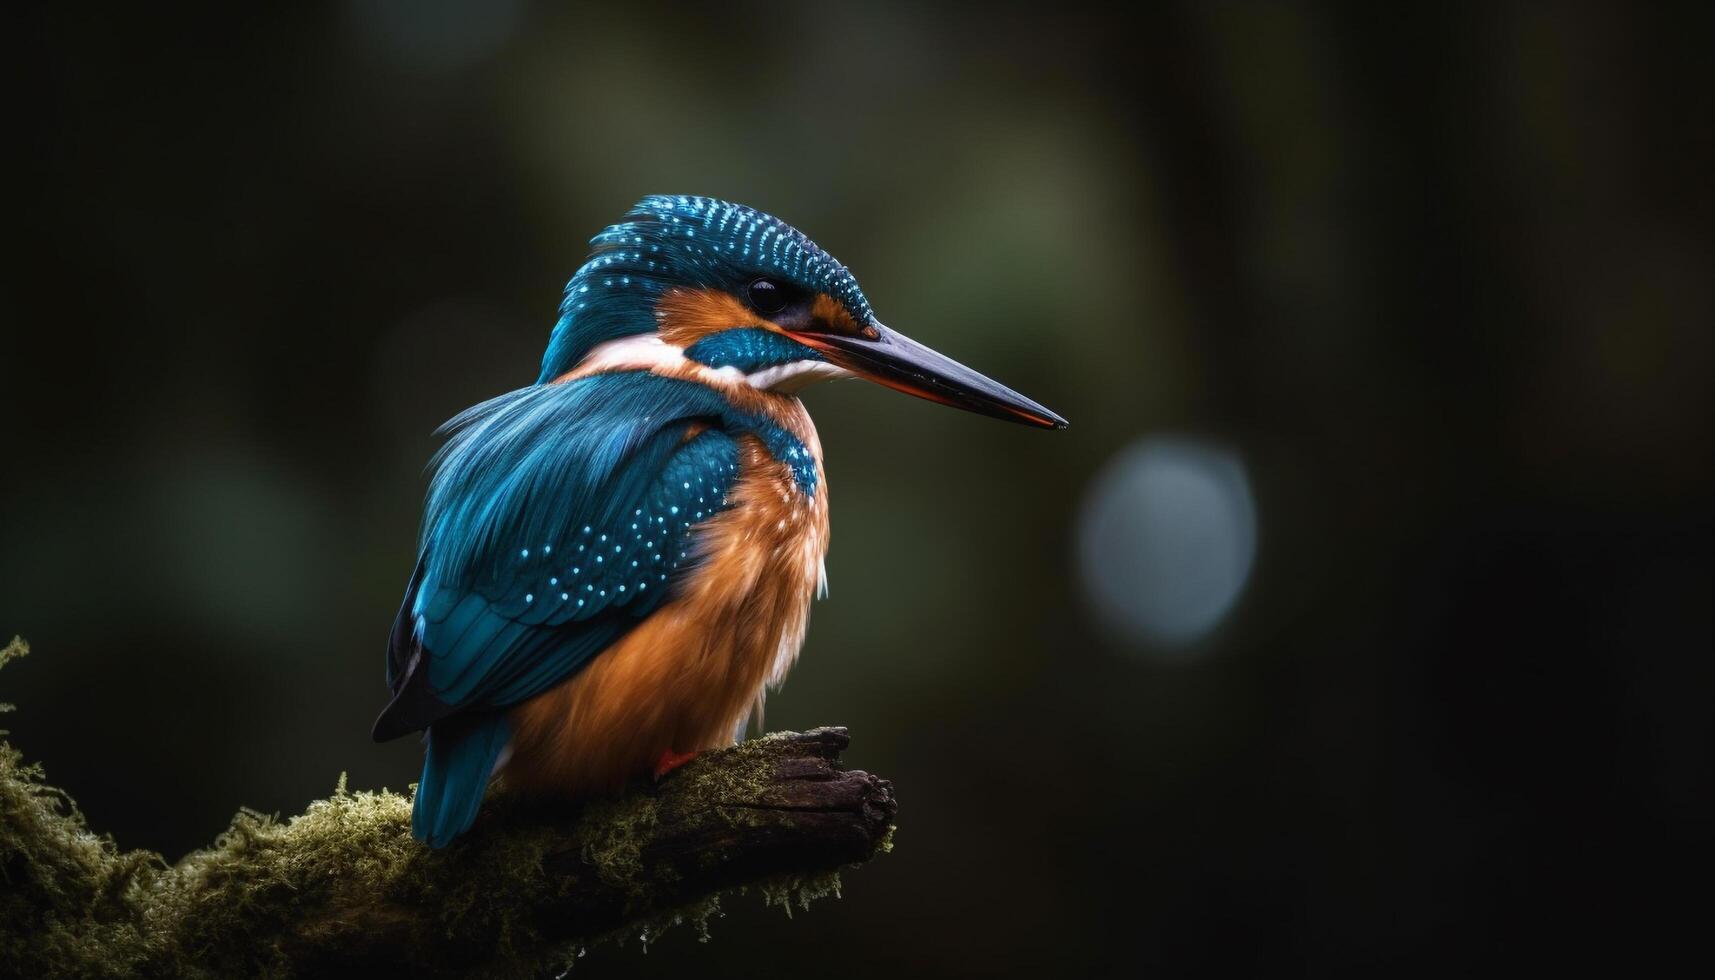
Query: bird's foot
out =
(670, 761)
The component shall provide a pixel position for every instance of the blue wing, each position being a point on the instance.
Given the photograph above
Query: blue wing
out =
(558, 518)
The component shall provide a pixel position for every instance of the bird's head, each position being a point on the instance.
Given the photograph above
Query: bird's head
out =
(693, 280)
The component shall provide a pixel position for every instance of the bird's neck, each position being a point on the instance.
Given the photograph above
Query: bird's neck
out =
(750, 394)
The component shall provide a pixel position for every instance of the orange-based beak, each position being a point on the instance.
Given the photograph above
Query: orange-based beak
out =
(890, 358)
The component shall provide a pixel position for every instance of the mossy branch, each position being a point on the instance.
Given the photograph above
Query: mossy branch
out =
(343, 887)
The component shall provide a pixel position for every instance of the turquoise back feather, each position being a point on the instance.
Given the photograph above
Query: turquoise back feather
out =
(456, 766)
(558, 518)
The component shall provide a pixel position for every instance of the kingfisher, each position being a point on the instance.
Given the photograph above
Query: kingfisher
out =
(616, 563)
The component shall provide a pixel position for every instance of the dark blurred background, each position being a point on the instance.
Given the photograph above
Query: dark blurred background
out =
(1360, 621)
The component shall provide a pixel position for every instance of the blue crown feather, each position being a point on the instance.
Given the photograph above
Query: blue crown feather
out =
(669, 241)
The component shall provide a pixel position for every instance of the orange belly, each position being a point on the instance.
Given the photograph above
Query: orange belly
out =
(684, 679)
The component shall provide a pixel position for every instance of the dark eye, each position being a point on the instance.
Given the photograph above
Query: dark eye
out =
(767, 297)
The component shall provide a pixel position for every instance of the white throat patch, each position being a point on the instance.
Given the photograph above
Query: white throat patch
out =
(646, 351)
(792, 377)
(638, 352)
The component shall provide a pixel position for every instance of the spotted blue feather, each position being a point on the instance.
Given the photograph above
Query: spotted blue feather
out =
(558, 518)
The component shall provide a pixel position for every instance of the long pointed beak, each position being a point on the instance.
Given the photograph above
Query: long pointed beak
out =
(890, 358)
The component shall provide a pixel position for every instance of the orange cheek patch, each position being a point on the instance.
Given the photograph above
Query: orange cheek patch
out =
(685, 316)
(834, 313)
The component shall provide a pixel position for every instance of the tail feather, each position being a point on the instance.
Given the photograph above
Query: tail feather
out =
(461, 757)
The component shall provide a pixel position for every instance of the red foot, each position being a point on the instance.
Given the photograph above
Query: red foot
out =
(671, 760)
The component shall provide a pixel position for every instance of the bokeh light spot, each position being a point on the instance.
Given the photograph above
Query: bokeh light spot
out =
(1166, 539)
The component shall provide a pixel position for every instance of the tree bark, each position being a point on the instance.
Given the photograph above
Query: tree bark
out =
(779, 812)
(343, 888)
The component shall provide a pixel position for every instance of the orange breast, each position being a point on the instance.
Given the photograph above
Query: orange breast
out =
(684, 679)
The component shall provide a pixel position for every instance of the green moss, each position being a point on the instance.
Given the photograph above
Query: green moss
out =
(270, 895)
(68, 894)
(230, 902)
(800, 890)
(614, 847)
